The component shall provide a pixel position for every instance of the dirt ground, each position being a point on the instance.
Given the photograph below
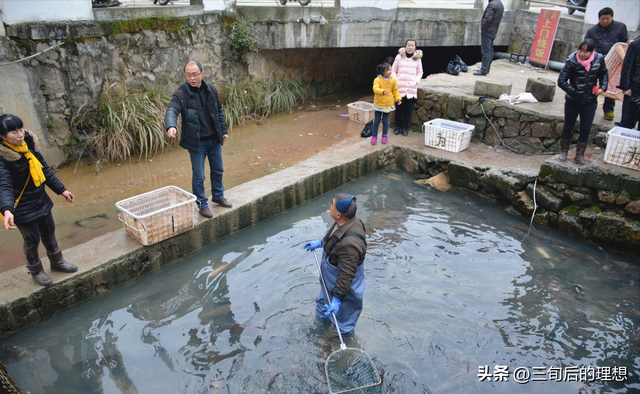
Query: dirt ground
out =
(252, 151)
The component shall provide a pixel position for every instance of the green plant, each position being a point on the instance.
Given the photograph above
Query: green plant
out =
(242, 41)
(119, 123)
(256, 99)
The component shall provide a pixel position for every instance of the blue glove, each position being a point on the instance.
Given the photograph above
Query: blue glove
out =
(309, 246)
(335, 305)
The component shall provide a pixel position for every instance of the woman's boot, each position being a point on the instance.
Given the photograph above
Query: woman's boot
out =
(37, 272)
(564, 149)
(579, 159)
(58, 263)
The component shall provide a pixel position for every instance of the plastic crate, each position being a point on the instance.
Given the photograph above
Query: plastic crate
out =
(447, 134)
(155, 216)
(623, 148)
(361, 111)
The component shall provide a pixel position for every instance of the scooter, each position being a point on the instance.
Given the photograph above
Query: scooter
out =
(579, 3)
(302, 2)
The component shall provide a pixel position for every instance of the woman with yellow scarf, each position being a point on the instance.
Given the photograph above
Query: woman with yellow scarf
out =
(23, 199)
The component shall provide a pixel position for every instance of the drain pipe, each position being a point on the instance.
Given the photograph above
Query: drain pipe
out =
(555, 66)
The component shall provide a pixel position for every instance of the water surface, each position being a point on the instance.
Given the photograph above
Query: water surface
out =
(453, 292)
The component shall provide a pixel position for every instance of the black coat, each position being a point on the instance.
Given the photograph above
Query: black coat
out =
(492, 17)
(578, 83)
(630, 74)
(606, 37)
(183, 103)
(14, 172)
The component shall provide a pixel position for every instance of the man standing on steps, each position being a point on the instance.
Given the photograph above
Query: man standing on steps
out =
(605, 34)
(204, 130)
(489, 27)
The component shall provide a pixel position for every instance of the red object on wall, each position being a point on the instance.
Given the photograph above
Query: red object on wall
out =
(545, 34)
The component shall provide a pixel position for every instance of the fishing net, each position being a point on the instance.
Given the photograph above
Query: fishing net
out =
(352, 371)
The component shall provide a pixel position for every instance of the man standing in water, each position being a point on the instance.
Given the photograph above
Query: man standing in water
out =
(344, 248)
(489, 30)
(204, 131)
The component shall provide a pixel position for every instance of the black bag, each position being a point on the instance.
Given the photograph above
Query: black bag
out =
(463, 66)
(368, 130)
(453, 68)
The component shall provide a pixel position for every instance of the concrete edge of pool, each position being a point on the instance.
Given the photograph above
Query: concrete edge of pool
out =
(114, 258)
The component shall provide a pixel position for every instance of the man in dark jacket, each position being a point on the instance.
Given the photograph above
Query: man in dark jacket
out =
(344, 248)
(630, 85)
(489, 29)
(204, 131)
(605, 34)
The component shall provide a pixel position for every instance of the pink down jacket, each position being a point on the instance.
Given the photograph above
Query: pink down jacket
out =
(408, 72)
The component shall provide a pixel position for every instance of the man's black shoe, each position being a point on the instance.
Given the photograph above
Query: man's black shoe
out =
(223, 202)
(479, 73)
(405, 132)
(206, 212)
(396, 131)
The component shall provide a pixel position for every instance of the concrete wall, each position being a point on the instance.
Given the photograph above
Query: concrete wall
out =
(21, 11)
(625, 11)
(382, 4)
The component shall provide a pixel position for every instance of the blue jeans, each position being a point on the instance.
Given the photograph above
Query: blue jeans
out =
(486, 48)
(212, 150)
(376, 123)
(571, 112)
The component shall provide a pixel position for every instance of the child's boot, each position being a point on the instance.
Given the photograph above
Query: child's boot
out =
(374, 140)
(384, 139)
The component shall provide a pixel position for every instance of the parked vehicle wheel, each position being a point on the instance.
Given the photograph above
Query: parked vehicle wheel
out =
(163, 2)
(570, 9)
(304, 2)
(283, 2)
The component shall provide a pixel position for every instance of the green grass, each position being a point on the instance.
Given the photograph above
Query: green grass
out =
(119, 124)
(257, 99)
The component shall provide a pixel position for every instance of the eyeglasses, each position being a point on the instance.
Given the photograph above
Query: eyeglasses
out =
(193, 75)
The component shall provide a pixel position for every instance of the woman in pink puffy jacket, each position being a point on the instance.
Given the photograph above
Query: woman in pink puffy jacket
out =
(407, 68)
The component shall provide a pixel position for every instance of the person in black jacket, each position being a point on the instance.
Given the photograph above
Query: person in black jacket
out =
(579, 79)
(204, 130)
(23, 199)
(489, 30)
(630, 85)
(605, 34)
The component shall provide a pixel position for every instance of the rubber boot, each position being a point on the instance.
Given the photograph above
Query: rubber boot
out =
(564, 149)
(37, 272)
(57, 263)
(579, 159)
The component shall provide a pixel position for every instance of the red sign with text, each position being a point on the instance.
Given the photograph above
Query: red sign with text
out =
(545, 34)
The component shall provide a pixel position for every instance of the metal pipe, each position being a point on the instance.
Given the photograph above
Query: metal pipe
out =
(553, 65)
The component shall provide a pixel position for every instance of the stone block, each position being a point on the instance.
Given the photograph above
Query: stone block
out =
(611, 227)
(511, 128)
(569, 223)
(480, 124)
(464, 175)
(491, 89)
(633, 207)
(523, 204)
(561, 173)
(454, 107)
(542, 89)
(542, 130)
(525, 144)
(39, 32)
(504, 112)
(544, 198)
(504, 185)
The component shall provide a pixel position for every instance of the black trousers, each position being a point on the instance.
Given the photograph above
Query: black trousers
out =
(571, 112)
(403, 113)
(42, 229)
(631, 110)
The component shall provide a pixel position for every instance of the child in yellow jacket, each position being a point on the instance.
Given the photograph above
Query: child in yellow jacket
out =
(386, 96)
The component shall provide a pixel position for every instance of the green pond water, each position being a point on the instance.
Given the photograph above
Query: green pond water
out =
(457, 300)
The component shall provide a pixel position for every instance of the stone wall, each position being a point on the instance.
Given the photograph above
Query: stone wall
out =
(591, 204)
(525, 131)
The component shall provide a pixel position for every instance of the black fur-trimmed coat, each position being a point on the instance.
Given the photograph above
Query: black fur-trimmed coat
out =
(14, 172)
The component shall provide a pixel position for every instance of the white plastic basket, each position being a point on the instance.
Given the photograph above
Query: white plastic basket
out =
(157, 215)
(623, 148)
(361, 111)
(447, 134)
